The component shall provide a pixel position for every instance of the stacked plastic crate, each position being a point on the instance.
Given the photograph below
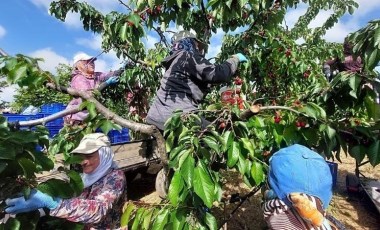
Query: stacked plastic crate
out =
(49, 109)
(119, 137)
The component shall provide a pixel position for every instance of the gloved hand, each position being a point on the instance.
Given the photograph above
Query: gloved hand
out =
(241, 57)
(35, 201)
(112, 80)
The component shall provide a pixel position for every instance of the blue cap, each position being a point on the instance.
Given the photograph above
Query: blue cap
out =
(299, 169)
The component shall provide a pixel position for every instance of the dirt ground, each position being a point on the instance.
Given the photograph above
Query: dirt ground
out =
(355, 211)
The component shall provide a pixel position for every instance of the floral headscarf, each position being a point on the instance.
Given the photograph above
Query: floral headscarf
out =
(184, 44)
(81, 66)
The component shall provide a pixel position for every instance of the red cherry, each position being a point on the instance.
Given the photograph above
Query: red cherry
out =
(277, 119)
(288, 52)
(238, 81)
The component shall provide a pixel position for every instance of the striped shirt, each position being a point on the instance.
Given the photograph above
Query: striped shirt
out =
(278, 216)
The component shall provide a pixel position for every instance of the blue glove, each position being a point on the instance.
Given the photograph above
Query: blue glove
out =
(35, 201)
(112, 80)
(241, 57)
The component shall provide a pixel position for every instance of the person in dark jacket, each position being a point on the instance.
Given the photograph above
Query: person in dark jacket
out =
(350, 62)
(187, 78)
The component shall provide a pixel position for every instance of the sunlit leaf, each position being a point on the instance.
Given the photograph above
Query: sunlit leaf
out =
(203, 184)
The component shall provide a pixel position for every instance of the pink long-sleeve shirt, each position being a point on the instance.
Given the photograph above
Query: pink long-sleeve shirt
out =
(80, 82)
(95, 207)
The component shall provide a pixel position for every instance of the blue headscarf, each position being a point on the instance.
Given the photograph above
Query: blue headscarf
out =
(184, 44)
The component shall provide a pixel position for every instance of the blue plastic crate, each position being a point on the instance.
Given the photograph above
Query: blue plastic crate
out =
(52, 108)
(53, 130)
(334, 171)
(18, 117)
(117, 136)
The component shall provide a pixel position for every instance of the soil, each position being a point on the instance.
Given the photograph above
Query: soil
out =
(355, 211)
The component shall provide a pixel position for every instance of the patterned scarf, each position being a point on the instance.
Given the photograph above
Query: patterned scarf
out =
(106, 163)
(184, 44)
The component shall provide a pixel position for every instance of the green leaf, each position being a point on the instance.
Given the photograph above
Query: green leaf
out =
(203, 184)
(107, 126)
(7, 153)
(212, 143)
(179, 3)
(134, 18)
(354, 82)
(320, 111)
(309, 111)
(161, 219)
(358, 152)
(175, 187)
(123, 32)
(376, 37)
(3, 165)
(211, 221)
(187, 170)
(151, 3)
(257, 172)
(44, 161)
(91, 111)
(233, 154)
(228, 138)
(147, 219)
(330, 132)
(76, 182)
(242, 164)
(174, 153)
(12, 224)
(221, 140)
(137, 220)
(372, 59)
(18, 73)
(169, 142)
(248, 144)
(178, 218)
(126, 214)
(56, 188)
(351, 9)
(27, 166)
(183, 156)
(374, 153)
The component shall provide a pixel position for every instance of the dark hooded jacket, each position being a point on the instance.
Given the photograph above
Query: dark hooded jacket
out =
(185, 83)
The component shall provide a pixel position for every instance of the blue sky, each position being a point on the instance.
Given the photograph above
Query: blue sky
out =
(26, 27)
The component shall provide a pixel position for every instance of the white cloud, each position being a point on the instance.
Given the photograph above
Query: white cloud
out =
(340, 29)
(101, 5)
(72, 19)
(8, 93)
(42, 3)
(51, 59)
(95, 42)
(366, 6)
(2, 31)
(150, 40)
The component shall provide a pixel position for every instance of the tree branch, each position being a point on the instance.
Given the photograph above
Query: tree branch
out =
(108, 114)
